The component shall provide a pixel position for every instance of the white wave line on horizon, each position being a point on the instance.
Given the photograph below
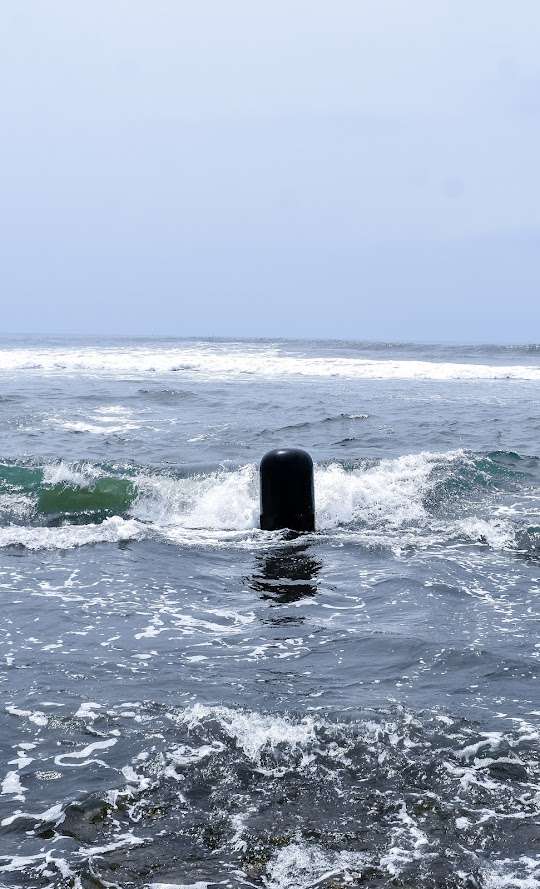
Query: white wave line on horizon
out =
(268, 363)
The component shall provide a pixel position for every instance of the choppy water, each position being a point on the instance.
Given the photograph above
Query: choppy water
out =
(189, 701)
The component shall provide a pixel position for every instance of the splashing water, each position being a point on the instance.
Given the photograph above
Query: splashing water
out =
(188, 701)
(390, 496)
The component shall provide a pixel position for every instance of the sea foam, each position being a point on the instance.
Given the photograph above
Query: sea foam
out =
(111, 530)
(230, 361)
(393, 502)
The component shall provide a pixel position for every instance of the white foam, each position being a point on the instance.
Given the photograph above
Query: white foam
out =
(36, 716)
(392, 491)
(198, 885)
(105, 420)
(16, 505)
(94, 428)
(127, 839)
(113, 410)
(66, 474)
(496, 534)
(219, 501)
(377, 505)
(408, 843)
(83, 754)
(21, 862)
(254, 732)
(521, 874)
(492, 740)
(184, 755)
(138, 783)
(111, 530)
(11, 784)
(301, 866)
(87, 710)
(53, 814)
(229, 360)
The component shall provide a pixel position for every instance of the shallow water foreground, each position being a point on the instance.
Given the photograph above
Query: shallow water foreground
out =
(189, 701)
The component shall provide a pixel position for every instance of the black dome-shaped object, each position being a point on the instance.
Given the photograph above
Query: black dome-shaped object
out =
(287, 495)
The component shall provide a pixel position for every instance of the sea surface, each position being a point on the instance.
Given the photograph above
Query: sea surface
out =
(188, 701)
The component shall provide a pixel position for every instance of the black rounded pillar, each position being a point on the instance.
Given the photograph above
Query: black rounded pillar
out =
(287, 495)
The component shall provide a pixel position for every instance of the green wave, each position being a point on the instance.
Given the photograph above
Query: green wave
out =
(22, 478)
(105, 495)
(478, 474)
(100, 497)
(78, 498)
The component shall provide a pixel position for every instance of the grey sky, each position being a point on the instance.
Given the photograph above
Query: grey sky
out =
(350, 169)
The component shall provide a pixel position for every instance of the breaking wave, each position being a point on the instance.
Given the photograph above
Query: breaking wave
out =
(387, 502)
(230, 361)
(113, 530)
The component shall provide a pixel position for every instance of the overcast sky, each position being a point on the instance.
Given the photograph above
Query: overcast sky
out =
(355, 168)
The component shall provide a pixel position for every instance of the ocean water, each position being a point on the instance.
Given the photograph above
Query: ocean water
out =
(187, 701)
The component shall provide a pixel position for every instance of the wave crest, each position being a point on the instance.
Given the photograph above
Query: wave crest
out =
(216, 362)
(416, 498)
